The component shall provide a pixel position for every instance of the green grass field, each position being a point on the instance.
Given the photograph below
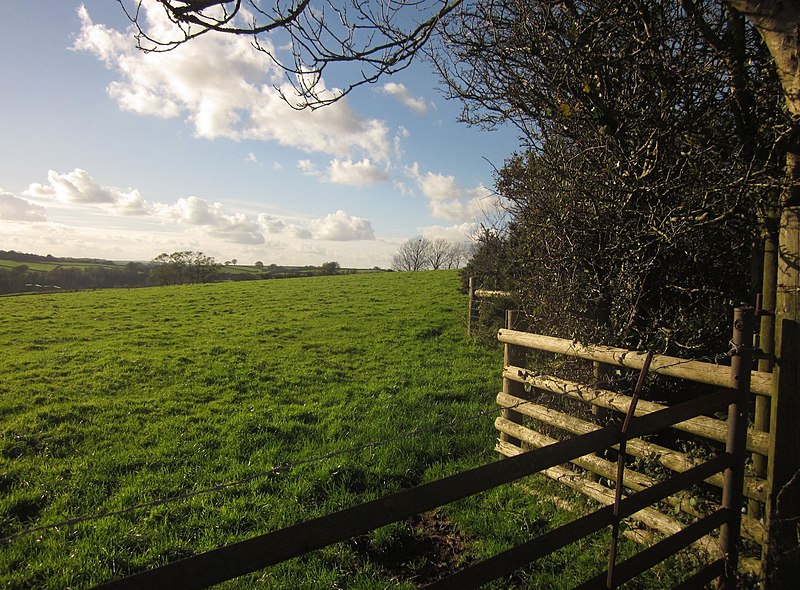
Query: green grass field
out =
(114, 398)
(48, 266)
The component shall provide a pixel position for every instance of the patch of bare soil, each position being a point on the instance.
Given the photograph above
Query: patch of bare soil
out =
(432, 550)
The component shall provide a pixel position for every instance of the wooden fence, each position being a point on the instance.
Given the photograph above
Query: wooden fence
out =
(475, 295)
(262, 551)
(534, 422)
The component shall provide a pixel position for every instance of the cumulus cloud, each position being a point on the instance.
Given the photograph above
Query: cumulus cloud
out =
(14, 208)
(271, 224)
(341, 226)
(251, 157)
(462, 232)
(447, 199)
(79, 188)
(193, 211)
(401, 93)
(355, 173)
(224, 89)
(307, 167)
(198, 216)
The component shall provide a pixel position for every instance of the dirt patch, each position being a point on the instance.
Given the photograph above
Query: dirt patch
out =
(431, 549)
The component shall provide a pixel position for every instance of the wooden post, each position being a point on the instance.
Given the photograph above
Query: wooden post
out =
(783, 470)
(471, 306)
(767, 344)
(512, 355)
(732, 496)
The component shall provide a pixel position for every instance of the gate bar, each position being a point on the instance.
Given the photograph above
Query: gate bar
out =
(612, 554)
(506, 562)
(236, 559)
(732, 496)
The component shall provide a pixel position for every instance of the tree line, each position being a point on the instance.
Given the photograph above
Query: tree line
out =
(421, 253)
(184, 267)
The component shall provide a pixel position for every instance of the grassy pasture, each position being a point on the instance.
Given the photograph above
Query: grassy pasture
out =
(48, 266)
(113, 398)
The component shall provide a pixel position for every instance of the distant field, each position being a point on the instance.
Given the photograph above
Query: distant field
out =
(48, 266)
(225, 268)
(114, 398)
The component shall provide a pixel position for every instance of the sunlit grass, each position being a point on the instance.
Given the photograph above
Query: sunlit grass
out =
(115, 398)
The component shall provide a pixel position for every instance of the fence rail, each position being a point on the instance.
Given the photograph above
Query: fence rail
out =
(521, 429)
(474, 296)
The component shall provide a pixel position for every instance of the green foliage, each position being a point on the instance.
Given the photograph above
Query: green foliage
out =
(330, 268)
(652, 153)
(184, 267)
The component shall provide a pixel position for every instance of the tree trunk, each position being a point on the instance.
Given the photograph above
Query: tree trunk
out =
(778, 23)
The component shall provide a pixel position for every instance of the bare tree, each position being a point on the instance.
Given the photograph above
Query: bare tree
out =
(456, 254)
(380, 38)
(413, 255)
(438, 253)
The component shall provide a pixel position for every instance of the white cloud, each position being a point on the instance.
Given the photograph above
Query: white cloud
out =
(355, 173)
(448, 200)
(308, 167)
(193, 211)
(271, 224)
(79, 188)
(341, 226)
(13, 208)
(462, 232)
(225, 89)
(251, 157)
(401, 93)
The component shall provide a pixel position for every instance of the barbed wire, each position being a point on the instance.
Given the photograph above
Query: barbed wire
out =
(286, 467)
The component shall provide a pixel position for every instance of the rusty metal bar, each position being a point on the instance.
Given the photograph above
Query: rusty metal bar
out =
(471, 306)
(506, 562)
(732, 496)
(612, 556)
(231, 561)
(700, 579)
(643, 561)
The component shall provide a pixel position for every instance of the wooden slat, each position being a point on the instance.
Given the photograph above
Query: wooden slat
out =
(697, 371)
(488, 294)
(676, 461)
(649, 517)
(700, 579)
(751, 528)
(716, 430)
(632, 480)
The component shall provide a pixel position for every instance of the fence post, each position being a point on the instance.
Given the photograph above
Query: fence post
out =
(766, 341)
(512, 355)
(471, 306)
(732, 496)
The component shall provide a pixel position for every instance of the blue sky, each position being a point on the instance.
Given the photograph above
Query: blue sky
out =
(112, 153)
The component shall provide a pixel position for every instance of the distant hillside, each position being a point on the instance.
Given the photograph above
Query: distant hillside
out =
(13, 255)
(22, 272)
